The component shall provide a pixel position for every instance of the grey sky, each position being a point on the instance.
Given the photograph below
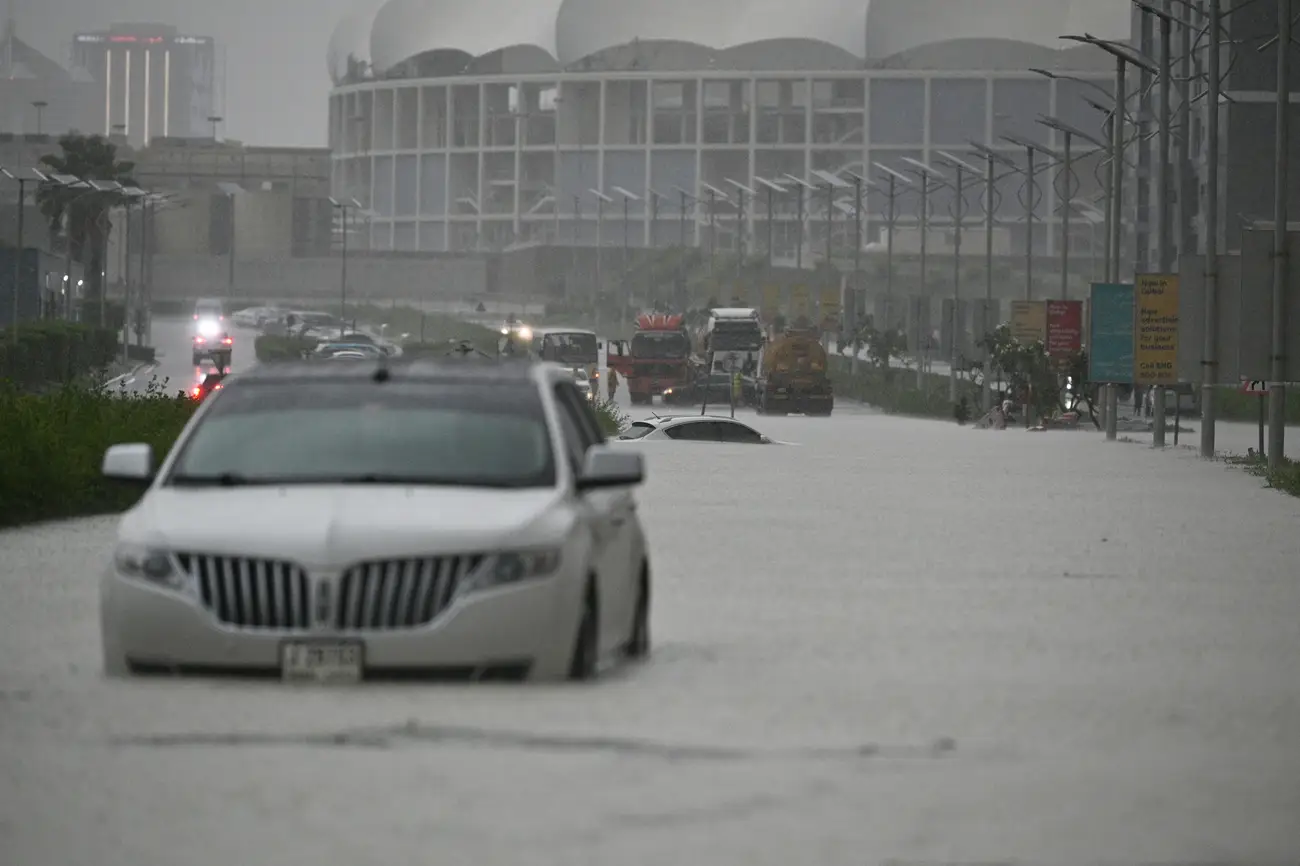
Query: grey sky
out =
(276, 83)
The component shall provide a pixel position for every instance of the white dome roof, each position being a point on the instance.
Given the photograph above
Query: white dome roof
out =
(895, 26)
(351, 37)
(405, 28)
(588, 26)
(570, 30)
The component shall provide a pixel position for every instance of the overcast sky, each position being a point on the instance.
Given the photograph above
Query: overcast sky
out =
(277, 86)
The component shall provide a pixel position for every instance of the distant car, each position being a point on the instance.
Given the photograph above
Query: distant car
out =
(209, 318)
(343, 522)
(218, 349)
(694, 428)
(254, 317)
(368, 350)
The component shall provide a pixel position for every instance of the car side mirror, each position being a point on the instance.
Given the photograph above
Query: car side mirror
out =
(764, 439)
(132, 463)
(605, 466)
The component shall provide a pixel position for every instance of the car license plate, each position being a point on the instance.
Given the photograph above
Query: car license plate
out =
(322, 661)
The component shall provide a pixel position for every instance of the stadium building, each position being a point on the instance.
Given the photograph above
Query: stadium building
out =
(486, 124)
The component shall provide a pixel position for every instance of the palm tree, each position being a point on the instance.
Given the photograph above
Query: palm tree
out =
(81, 217)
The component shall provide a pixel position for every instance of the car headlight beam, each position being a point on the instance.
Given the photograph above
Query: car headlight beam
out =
(148, 564)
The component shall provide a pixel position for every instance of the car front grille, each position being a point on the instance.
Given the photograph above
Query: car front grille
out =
(400, 593)
(251, 593)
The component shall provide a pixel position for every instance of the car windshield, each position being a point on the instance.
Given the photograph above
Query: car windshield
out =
(747, 337)
(637, 430)
(207, 308)
(360, 431)
(570, 348)
(662, 345)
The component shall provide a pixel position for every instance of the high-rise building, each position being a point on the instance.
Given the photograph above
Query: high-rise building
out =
(154, 81)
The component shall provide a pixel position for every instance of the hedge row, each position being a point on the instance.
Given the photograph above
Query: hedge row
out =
(52, 446)
(895, 390)
(54, 352)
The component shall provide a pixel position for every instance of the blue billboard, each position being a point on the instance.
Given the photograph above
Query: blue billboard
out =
(1110, 335)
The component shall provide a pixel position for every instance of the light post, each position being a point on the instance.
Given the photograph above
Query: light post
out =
(601, 201)
(213, 120)
(69, 181)
(1031, 188)
(802, 188)
(1066, 195)
(1281, 166)
(714, 196)
(131, 195)
(962, 170)
(992, 159)
(40, 105)
(742, 222)
(628, 198)
(892, 179)
(1210, 347)
(860, 185)
(231, 191)
(773, 189)
(344, 206)
(22, 177)
(926, 175)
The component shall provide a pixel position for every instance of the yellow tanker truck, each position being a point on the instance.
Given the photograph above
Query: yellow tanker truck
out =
(794, 377)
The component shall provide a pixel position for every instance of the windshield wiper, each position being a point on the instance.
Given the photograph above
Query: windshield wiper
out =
(427, 480)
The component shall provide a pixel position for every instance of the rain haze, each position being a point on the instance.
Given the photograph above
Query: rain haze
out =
(645, 432)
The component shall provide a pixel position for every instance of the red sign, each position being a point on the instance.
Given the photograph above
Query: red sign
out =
(1064, 328)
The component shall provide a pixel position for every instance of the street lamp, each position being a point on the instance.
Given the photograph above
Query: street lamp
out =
(21, 176)
(230, 191)
(742, 224)
(131, 195)
(802, 188)
(601, 200)
(773, 189)
(860, 184)
(1069, 133)
(962, 170)
(213, 120)
(992, 159)
(927, 175)
(343, 206)
(715, 195)
(1031, 188)
(628, 198)
(892, 179)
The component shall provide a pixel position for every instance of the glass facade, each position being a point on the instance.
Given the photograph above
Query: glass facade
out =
(491, 162)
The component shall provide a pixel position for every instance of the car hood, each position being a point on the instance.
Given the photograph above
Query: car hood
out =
(331, 526)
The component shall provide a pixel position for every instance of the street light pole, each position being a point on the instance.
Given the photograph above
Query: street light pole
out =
(1210, 348)
(344, 207)
(1164, 236)
(892, 178)
(1277, 387)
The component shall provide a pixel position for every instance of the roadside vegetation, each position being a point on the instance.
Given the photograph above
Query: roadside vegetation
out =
(52, 445)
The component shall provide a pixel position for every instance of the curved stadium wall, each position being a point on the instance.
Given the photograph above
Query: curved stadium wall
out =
(453, 142)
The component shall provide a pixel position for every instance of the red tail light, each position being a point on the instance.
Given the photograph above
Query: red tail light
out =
(196, 317)
(228, 341)
(196, 392)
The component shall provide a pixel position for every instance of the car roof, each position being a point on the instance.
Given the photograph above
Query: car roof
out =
(471, 370)
(665, 420)
(544, 332)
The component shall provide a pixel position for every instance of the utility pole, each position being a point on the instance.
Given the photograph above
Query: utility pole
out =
(1164, 233)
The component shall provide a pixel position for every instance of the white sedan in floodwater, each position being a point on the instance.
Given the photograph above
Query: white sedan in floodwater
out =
(694, 428)
(334, 522)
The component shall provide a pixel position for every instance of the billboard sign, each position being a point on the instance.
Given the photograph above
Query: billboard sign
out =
(1064, 330)
(1028, 321)
(1156, 352)
(1110, 335)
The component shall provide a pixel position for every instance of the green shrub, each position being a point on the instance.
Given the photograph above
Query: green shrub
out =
(1285, 479)
(1233, 405)
(612, 420)
(895, 391)
(276, 348)
(54, 352)
(52, 446)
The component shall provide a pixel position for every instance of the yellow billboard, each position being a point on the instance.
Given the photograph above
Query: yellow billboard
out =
(1028, 321)
(771, 302)
(829, 304)
(1155, 354)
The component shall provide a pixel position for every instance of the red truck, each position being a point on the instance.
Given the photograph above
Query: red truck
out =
(657, 361)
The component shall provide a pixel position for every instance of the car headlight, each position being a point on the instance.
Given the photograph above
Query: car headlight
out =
(525, 333)
(507, 569)
(208, 328)
(147, 564)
